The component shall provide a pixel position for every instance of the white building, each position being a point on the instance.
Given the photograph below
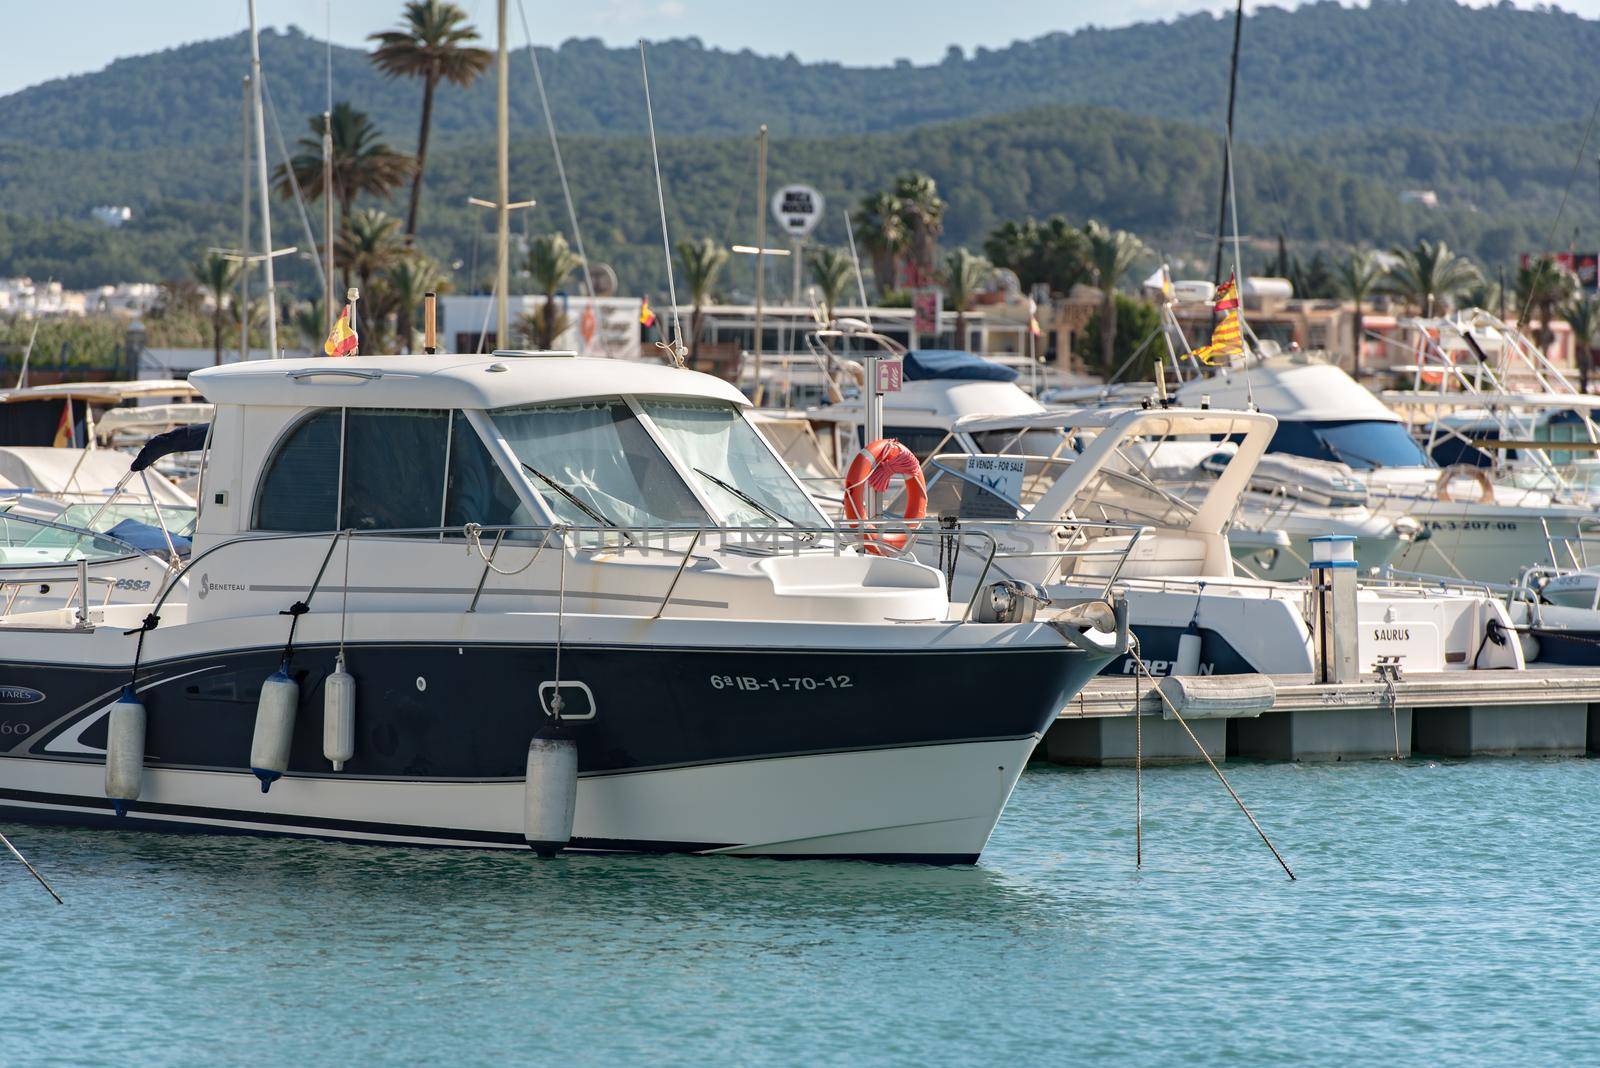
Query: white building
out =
(112, 215)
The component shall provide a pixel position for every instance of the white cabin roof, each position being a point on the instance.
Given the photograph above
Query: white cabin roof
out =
(101, 392)
(449, 381)
(1291, 389)
(939, 402)
(1158, 421)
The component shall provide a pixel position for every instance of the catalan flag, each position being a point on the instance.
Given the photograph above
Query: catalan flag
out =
(647, 317)
(342, 339)
(1227, 298)
(1227, 340)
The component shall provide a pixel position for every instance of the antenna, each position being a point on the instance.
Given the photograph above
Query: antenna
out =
(675, 349)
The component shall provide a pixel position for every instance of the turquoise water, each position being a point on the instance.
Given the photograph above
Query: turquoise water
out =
(1445, 913)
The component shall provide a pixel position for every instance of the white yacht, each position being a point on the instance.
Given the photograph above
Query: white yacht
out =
(1331, 427)
(492, 550)
(1179, 577)
(962, 403)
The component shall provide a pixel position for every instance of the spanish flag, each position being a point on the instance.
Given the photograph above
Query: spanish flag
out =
(1226, 340)
(342, 339)
(647, 317)
(65, 436)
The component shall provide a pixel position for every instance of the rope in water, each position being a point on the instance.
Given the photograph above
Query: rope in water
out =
(1133, 651)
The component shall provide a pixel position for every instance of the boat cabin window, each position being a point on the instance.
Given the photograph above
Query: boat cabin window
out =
(384, 469)
(736, 471)
(393, 468)
(300, 488)
(593, 464)
(1363, 444)
(476, 490)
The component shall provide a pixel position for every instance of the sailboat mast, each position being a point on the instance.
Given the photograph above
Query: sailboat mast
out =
(761, 250)
(1227, 154)
(244, 232)
(327, 180)
(327, 219)
(261, 186)
(502, 255)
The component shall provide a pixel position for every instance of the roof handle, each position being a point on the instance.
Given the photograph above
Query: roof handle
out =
(339, 372)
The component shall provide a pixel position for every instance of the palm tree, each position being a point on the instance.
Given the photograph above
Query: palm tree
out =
(1055, 253)
(1428, 273)
(702, 261)
(550, 261)
(881, 228)
(1357, 276)
(216, 275)
(431, 44)
(831, 270)
(1543, 286)
(370, 245)
(1113, 253)
(362, 164)
(964, 275)
(1583, 316)
(407, 281)
(923, 214)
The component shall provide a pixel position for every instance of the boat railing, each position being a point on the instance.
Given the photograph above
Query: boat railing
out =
(880, 537)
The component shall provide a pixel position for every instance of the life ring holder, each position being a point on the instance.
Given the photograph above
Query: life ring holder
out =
(875, 466)
(1477, 474)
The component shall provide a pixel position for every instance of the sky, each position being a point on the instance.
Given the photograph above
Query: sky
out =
(52, 40)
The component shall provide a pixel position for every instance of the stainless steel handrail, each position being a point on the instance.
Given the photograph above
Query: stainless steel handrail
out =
(771, 535)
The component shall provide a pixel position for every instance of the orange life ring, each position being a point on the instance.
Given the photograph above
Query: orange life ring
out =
(875, 466)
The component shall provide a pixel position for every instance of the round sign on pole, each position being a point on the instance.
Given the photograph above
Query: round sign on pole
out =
(798, 209)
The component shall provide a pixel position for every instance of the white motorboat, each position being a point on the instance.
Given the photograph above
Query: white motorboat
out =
(1472, 528)
(961, 403)
(1179, 576)
(497, 551)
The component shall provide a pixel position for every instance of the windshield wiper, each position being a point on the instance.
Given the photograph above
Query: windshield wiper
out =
(775, 516)
(592, 513)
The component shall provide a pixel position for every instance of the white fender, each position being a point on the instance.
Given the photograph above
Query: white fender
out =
(269, 747)
(550, 793)
(125, 750)
(339, 716)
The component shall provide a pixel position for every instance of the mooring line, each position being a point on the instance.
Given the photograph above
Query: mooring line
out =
(31, 869)
(1133, 651)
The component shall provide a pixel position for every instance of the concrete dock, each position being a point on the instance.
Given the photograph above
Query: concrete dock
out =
(1533, 712)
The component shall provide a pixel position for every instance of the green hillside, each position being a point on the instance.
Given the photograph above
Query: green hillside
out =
(1427, 64)
(1157, 178)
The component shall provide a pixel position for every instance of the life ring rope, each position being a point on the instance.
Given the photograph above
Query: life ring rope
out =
(875, 466)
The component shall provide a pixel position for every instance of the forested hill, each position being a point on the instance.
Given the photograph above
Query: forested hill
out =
(1155, 177)
(1428, 64)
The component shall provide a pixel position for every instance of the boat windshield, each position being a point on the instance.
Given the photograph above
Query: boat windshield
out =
(28, 541)
(1363, 444)
(135, 525)
(593, 464)
(735, 470)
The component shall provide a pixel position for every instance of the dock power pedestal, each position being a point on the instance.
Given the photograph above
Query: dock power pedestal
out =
(1335, 633)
